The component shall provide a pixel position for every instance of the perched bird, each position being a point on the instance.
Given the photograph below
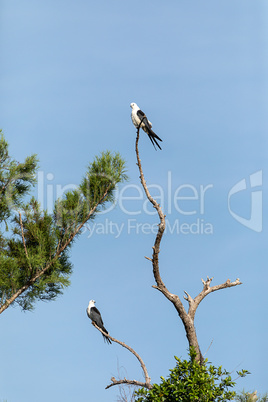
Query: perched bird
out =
(94, 314)
(137, 116)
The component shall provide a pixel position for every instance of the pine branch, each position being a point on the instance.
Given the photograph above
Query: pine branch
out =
(53, 260)
(45, 238)
(23, 240)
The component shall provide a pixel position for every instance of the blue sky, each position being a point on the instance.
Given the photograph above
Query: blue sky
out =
(69, 71)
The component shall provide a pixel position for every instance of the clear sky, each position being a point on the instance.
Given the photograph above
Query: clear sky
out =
(69, 71)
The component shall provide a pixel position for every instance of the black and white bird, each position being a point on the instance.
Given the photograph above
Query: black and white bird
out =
(139, 116)
(94, 314)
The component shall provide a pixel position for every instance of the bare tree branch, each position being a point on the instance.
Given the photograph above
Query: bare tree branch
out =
(208, 347)
(148, 258)
(186, 317)
(145, 384)
(128, 382)
(194, 303)
(187, 321)
(161, 226)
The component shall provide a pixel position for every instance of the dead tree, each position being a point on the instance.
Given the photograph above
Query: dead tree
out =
(187, 317)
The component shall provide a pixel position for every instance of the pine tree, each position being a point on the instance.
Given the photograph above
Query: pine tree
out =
(34, 245)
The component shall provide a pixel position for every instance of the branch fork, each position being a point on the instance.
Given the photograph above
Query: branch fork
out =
(186, 317)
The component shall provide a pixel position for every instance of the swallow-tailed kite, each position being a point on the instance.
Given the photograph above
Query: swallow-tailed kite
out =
(137, 116)
(94, 314)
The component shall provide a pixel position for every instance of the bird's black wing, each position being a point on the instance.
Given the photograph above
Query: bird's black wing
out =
(96, 316)
(95, 310)
(142, 116)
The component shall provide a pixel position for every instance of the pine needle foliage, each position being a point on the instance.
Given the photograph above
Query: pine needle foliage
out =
(34, 260)
(16, 179)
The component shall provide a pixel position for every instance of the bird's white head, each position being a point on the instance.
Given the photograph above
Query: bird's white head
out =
(91, 303)
(134, 105)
